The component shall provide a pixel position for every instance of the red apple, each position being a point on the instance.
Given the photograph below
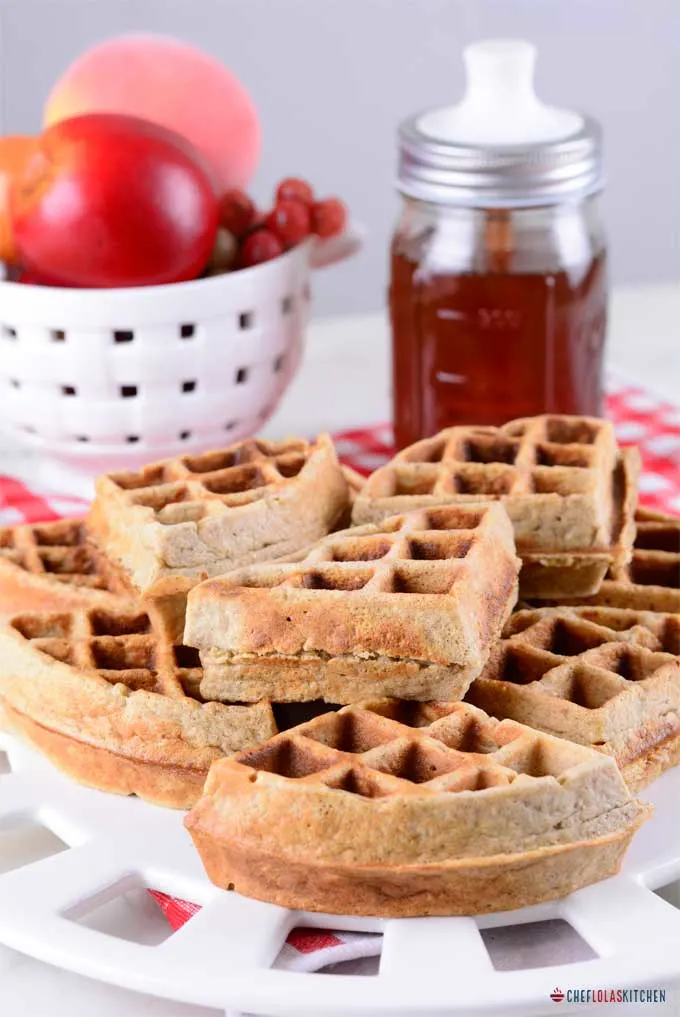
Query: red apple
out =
(112, 200)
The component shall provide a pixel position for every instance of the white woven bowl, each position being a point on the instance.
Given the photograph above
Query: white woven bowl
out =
(111, 379)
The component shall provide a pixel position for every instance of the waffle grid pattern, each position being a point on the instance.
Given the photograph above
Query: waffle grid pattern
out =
(426, 552)
(656, 553)
(402, 748)
(650, 582)
(545, 455)
(578, 663)
(58, 550)
(188, 488)
(121, 647)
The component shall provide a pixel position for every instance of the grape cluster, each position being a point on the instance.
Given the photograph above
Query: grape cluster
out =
(247, 237)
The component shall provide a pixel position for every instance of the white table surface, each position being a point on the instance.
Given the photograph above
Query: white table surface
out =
(343, 383)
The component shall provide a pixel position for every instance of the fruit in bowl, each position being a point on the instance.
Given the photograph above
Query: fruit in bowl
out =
(138, 179)
(173, 84)
(295, 216)
(112, 200)
(15, 153)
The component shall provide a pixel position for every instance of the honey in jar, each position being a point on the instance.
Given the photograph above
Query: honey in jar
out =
(498, 279)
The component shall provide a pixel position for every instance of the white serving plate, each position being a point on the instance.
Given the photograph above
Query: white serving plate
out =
(222, 957)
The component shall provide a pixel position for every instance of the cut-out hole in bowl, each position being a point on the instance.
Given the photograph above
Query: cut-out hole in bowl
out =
(535, 945)
(126, 910)
(187, 331)
(26, 842)
(57, 335)
(189, 386)
(307, 940)
(670, 892)
(123, 336)
(69, 390)
(245, 319)
(128, 391)
(241, 375)
(5, 766)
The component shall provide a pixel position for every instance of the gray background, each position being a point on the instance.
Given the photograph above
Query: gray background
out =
(332, 78)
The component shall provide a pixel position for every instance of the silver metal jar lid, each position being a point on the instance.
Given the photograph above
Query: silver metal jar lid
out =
(499, 176)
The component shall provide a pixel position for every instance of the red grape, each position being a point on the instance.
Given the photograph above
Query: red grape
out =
(237, 212)
(290, 220)
(328, 217)
(294, 187)
(260, 245)
(224, 252)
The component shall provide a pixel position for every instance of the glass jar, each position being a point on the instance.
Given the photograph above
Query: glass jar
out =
(496, 314)
(498, 286)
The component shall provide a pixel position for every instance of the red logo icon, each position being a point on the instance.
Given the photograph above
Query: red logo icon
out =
(557, 995)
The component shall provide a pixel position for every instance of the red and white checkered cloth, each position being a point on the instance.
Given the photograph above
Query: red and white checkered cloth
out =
(640, 418)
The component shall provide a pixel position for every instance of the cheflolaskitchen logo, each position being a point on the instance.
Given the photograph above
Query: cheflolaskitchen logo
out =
(609, 995)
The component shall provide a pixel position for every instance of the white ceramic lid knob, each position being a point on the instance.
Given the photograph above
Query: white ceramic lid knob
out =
(499, 106)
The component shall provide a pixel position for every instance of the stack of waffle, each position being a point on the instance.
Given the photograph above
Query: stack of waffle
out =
(214, 605)
(92, 667)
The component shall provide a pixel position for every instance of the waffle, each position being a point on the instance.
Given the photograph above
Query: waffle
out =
(405, 809)
(105, 697)
(568, 490)
(616, 690)
(651, 580)
(54, 566)
(355, 483)
(180, 521)
(408, 608)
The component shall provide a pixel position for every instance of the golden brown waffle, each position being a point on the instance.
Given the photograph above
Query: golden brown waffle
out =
(568, 490)
(54, 566)
(407, 608)
(651, 580)
(617, 691)
(180, 521)
(110, 702)
(355, 483)
(664, 626)
(407, 809)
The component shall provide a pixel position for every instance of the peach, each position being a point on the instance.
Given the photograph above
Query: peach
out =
(173, 84)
